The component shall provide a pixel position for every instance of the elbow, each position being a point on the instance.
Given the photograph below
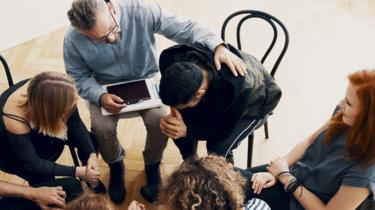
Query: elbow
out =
(32, 168)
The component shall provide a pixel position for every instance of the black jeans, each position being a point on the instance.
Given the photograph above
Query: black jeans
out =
(71, 186)
(274, 196)
(222, 147)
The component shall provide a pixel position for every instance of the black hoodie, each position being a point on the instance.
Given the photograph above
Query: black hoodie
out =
(228, 98)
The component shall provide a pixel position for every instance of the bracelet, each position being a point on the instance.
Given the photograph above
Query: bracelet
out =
(282, 173)
(293, 186)
(291, 181)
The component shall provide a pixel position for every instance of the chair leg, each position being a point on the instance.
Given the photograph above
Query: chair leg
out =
(74, 155)
(266, 129)
(250, 145)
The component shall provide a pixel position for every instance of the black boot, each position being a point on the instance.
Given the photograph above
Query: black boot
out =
(116, 188)
(150, 192)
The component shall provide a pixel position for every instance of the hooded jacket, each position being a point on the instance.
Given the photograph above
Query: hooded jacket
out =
(228, 98)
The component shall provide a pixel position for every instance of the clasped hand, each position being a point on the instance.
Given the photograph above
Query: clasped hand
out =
(264, 180)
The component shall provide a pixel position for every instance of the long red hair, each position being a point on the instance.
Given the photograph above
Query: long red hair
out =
(361, 136)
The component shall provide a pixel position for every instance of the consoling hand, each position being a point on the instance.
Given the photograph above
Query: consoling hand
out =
(262, 180)
(235, 64)
(45, 197)
(277, 166)
(173, 125)
(111, 102)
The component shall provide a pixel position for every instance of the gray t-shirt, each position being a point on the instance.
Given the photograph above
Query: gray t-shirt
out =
(324, 168)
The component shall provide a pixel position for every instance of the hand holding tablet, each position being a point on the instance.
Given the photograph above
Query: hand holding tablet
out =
(130, 96)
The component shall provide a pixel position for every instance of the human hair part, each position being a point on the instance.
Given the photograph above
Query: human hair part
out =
(360, 136)
(82, 15)
(90, 201)
(180, 82)
(204, 183)
(50, 99)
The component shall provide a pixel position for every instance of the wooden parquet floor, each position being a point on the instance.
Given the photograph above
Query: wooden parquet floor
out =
(328, 37)
(45, 54)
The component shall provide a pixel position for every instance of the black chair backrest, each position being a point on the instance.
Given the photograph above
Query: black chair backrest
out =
(7, 70)
(248, 14)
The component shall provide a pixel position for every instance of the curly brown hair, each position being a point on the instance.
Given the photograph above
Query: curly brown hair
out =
(204, 183)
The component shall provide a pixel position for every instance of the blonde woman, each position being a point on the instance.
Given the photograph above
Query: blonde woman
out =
(37, 116)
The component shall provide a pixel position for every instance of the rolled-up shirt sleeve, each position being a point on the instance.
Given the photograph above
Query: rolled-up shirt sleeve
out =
(361, 177)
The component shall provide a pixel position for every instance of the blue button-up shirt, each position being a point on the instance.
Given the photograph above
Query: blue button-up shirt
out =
(134, 56)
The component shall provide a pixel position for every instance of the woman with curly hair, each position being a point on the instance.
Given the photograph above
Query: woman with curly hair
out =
(207, 183)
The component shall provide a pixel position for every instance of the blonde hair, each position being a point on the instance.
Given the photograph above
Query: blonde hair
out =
(90, 202)
(204, 183)
(50, 101)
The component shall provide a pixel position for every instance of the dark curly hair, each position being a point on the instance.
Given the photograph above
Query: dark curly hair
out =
(204, 183)
(179, 82)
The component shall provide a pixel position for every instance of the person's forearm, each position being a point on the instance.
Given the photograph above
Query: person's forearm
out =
(299, 150)
(13, 190)
(308, 200)
(305, 197)
(80, 171)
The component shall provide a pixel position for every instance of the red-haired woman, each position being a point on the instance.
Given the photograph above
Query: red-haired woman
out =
(335, 167)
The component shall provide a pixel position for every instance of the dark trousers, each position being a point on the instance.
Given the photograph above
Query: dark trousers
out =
(275, 196)
(222, 147)
(71, 186)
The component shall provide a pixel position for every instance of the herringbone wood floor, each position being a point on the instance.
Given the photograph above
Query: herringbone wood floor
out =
(300, 95)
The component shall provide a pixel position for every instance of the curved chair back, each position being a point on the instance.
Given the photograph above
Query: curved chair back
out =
(276, 25)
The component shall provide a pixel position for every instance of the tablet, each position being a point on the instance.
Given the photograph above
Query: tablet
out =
(137, 94)
(131, 92)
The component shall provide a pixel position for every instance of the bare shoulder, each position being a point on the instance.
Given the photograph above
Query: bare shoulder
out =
(14, 126)
(14, 118)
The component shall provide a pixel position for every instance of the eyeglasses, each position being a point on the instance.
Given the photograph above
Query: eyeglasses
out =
(114, 30)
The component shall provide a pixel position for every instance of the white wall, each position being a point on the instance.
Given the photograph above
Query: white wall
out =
(22, 20)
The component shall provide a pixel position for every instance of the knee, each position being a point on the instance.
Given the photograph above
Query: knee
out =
(152, 117)
(105, 126)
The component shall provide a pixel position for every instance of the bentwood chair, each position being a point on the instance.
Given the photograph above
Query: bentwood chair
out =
(245, 16)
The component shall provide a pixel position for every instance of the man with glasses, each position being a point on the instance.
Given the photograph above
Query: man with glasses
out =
(113, 41)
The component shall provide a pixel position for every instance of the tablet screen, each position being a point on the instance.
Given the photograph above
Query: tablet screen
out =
(131, 92)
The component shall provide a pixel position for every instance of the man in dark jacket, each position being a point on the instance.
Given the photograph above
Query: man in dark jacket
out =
(210, 105)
